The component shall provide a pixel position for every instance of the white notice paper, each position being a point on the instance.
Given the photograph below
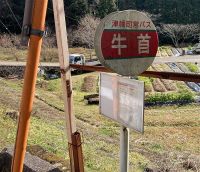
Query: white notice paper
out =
(124, 102)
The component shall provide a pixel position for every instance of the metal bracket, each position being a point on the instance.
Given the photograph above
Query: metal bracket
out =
(37, 32)
(27, 21)
(28, 31)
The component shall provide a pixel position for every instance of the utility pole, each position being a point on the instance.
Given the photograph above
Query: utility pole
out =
(35, 43)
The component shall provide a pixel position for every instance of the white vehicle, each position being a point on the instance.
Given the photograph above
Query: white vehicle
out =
(196, 48)
(76, 59)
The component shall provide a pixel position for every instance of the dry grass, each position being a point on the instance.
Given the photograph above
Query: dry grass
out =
(148, 88)
(169, 51)
(89, 84)
(158, 86)
(169, 85)
(47, 54)
(163, 52)
(165, 68)
(11, 50)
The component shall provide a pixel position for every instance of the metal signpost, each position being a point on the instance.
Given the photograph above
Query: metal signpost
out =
(126, 42)
(125, 99)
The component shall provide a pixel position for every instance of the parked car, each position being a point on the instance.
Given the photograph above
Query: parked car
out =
(76, 59)
(196, 48)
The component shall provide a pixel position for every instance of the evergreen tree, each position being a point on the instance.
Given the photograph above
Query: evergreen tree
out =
(126, 4)
(75, 10)
(139, 4)
(169, 11)
(105, 7)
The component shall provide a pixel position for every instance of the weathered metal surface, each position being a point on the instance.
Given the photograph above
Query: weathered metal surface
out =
(126, 42)
(153, 74)
(19, 69)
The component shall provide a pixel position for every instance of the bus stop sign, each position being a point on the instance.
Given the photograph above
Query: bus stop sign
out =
(126, 42)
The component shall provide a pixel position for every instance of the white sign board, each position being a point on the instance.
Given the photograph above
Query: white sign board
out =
(122, 99)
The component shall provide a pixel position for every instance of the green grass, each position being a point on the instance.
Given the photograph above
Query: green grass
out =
(167, 129)
(148, 83)
(192, 67)
(41, 133)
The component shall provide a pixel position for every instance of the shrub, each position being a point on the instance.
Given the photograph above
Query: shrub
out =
(192, 67)
(9, 41)
(49, 42)
(170, 97)
(84, 35)
(148, 83)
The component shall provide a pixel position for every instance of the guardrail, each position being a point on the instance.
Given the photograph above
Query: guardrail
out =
(155, 74)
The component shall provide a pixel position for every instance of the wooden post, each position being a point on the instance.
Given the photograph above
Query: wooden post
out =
(38, 21)
(77, 152)
(63, 52)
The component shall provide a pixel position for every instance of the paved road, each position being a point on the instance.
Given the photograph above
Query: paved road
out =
(43, 64)
(9, 63)
(173, 59)
(158, 60)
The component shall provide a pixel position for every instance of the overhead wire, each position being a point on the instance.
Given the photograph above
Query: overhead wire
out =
(5, 27)
(13, 15)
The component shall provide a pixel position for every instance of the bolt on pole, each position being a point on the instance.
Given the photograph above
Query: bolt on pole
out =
(35, 43)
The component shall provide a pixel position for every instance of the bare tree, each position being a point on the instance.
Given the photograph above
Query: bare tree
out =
(84, 35)
(178, 33)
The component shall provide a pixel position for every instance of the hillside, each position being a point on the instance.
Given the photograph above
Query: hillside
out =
(170, 141)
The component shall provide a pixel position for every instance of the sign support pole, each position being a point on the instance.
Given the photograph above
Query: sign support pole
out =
(38, 23)
(124, 149)
(74, 137)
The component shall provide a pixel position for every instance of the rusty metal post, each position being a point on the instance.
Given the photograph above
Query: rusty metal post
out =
(27, 21)
(38, 22)
(77, 152)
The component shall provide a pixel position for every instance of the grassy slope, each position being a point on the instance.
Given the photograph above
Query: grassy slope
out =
(47, 55)
(169, 131)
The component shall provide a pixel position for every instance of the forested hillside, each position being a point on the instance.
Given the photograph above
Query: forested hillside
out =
(164, 11)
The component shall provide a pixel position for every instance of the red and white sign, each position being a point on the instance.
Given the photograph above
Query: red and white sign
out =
(126, 42)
